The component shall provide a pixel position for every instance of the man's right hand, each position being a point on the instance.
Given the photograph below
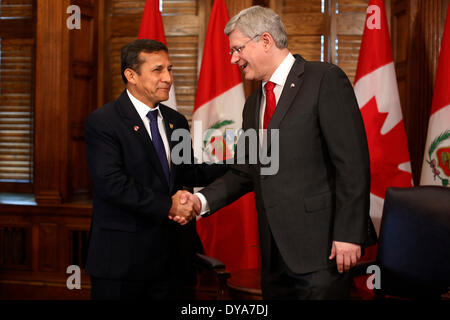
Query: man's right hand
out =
(185, 207)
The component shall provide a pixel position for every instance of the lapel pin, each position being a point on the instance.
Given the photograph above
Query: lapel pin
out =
(136, 128)
(292, 85)
(171, 125)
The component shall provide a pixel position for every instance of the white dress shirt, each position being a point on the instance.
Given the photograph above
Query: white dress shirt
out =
(142, 109)
(279, 79)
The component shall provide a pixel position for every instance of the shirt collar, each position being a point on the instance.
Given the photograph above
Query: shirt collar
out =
(141, 108)
(280, 75)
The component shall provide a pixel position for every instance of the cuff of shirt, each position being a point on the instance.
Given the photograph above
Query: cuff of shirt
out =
(205, 206)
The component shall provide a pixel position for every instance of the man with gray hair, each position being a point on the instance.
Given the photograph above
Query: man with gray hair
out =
(313, 214)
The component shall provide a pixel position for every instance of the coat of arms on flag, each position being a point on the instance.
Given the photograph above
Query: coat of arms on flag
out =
(439, 157)
(436, 159)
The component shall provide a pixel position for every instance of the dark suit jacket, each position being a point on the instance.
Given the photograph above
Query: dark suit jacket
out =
(131, 236)
(321, 190)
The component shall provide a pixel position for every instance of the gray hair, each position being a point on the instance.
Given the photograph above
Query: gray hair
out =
(256, 20)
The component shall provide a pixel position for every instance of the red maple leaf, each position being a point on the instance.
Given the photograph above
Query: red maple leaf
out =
(386, 151)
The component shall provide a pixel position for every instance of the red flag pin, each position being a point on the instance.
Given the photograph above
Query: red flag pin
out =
(171, 125)
(136, 128)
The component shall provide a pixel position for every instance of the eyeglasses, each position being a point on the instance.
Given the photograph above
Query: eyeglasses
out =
(240, 48)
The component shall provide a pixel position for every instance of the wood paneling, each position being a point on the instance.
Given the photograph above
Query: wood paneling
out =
(48, 247)
(15, 246)
(417, 27)
(83, 98)
(37, 244)
(68, 59)
(52, 68)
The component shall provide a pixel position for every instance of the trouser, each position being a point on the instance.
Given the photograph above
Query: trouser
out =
(280, 283)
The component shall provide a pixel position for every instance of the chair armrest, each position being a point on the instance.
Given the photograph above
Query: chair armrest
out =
(208, 262)
(216, 268)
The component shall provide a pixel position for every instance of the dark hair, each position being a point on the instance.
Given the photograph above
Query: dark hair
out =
(130, 54)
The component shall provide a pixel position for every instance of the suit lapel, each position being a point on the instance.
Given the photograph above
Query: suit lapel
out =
(290, 90)
(169, 126)
(136, 126)
(257, 106)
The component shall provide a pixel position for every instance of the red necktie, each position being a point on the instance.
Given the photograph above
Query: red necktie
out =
(270, 103)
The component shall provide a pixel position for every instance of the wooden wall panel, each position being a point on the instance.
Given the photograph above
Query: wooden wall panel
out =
(83, 98)
(48, 247)
(52, 68)
(53, 238)
(417, 27)
(15, 245)
(68, 59)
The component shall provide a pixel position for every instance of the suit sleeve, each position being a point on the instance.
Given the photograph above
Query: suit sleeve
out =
(228, 188)
(111, 181)
(344, 134)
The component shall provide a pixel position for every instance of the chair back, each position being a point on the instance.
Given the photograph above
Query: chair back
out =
(414, 243)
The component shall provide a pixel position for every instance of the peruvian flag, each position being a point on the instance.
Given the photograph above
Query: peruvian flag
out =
(152, 28)
(377, 93)
(231, 234)
(436, 162)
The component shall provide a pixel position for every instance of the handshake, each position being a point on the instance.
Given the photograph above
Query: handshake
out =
(185, 207)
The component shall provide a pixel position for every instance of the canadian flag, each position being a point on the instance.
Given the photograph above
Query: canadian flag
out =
(231, 234)
(152, 27)
(436, 162)
(377, 93)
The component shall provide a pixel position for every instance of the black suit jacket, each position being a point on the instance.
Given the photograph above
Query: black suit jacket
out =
(321, 190)
(131, 236)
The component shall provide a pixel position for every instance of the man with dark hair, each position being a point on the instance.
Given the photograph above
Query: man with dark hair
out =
(135, 250)
(129, 56)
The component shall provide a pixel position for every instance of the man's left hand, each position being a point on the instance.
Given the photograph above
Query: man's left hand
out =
(346, 254)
